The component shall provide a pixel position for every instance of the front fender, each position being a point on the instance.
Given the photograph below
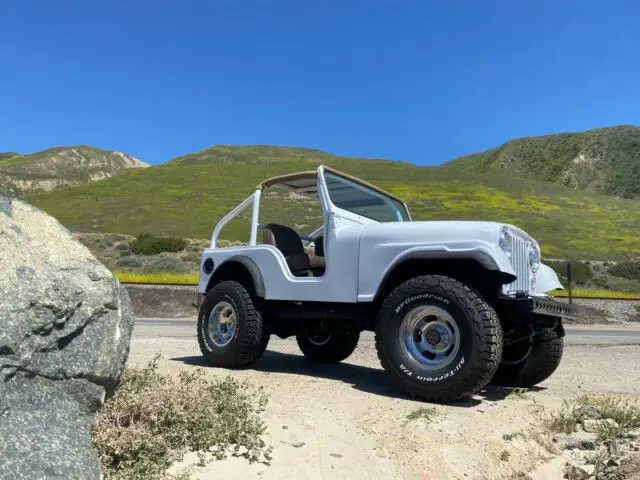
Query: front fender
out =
(547, 280)
(370, 280)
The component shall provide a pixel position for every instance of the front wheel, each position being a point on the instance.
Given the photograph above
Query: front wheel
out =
(231, 331)
(327, 347)
(542, 358)
(438, 339)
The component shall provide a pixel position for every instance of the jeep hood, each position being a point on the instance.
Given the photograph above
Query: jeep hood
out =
(449, 231)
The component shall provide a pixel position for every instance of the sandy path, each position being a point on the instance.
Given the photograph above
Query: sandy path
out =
(345, 421)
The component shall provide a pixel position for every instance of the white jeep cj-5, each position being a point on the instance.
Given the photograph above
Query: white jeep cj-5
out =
(454, 305)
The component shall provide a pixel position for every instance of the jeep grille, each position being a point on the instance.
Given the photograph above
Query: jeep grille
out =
(520, 263)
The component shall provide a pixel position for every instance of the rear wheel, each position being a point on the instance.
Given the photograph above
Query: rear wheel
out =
(438, 339)
(231, 330)
(327, 347)
(527, 363)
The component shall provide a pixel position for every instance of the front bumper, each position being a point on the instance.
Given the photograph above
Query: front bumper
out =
(535, 309)
(549, 306)
(524, 315)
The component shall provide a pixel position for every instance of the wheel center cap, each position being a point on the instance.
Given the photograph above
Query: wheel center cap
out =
(433, 337)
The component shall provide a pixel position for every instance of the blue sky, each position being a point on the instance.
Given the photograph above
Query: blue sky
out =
(422, 81)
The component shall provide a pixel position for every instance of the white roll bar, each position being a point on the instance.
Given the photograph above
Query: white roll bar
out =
(253, 198)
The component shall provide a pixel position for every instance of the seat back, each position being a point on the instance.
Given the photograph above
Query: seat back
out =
(289, 243)
(319, 246)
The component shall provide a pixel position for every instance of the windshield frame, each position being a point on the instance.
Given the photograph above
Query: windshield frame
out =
(395, 204)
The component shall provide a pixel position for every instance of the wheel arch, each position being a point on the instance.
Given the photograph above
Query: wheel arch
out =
(476, 269)
(242, 269)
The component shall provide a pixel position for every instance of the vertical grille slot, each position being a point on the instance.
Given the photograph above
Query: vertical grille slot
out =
(520, 264)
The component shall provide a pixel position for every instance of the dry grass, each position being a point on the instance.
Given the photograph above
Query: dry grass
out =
(153, 278)
(591, 293)
(622, 411)
(152, 420)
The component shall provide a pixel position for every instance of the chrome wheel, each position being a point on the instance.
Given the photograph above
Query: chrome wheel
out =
(429, 336)
(223, 323)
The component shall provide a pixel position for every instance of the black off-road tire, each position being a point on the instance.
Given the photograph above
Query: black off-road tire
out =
(543, 360)
(481, 339)
(250, 337)
(336, 349)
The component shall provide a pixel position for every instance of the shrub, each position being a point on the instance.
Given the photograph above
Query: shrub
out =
(152, 420)
(581, 273)
(146, 244)
(630, 270)
(129, 262)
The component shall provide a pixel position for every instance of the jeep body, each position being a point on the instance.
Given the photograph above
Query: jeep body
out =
(366, 249)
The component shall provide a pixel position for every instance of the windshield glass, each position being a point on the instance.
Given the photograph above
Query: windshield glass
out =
(362, 200)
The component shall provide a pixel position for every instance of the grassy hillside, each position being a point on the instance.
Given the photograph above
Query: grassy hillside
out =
(56, 167)
(5, 156)
(605, 160)
(188, 195)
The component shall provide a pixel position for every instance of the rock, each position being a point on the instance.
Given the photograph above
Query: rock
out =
(335, 455)
(551, 470)
(535, 408)
(574, 472)
(589, 413)
(612, 462)
(294, 442)
(578, 440)
(65, 328)
(382, 453)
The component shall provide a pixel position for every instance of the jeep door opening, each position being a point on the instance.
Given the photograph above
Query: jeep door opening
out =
(454, 305)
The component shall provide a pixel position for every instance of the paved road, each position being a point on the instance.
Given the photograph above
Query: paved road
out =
(185, 328)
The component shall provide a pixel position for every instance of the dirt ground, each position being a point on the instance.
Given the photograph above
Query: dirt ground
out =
(345, 421)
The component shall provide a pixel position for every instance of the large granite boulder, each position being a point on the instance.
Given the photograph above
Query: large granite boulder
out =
(65, 328)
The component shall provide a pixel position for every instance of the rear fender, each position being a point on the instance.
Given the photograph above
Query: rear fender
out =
(248, 264)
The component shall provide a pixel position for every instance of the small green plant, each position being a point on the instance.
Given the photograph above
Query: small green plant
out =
(146, 244)
(563, 421)
(152, 420)
(520, 393)
(426, 413)
(511, 436)
(505, 455)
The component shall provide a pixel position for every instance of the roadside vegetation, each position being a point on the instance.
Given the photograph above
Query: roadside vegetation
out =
(147, 244)
(152, 420)
(603, 433)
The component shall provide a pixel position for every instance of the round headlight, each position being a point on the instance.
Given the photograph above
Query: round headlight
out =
(504, 241)
(534, 257)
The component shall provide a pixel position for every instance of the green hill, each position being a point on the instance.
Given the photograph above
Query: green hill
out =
(604, 160)
(5, 156)
(188, 195)
(56, 167)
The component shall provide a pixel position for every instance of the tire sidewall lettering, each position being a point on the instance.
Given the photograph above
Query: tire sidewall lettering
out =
(422, 296)
(405, 365)
(204, 321)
